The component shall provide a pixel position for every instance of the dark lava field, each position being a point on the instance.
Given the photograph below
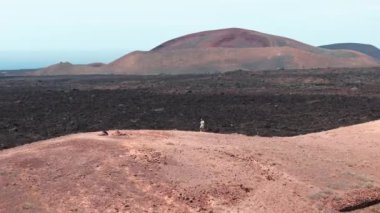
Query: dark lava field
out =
(266, 103)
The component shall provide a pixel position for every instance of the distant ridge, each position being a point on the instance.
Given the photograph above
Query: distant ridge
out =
(363, 48)
(221, 51)
(17, 72)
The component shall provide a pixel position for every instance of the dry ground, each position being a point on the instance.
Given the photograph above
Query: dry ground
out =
(176, 171)
(270, 103)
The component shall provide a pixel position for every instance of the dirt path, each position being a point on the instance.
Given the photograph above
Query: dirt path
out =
(176, 171)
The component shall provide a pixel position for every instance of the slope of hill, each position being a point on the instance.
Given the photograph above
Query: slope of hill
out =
(66, 68)
(221, 51)
(230, 38)
(363, 48)
(175, 171)
(215, 60)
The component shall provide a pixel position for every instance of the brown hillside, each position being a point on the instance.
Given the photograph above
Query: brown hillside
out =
(175, 171)
(72, 69)
(230, 38)
(213, 60)
(221, 51)
(363, 48)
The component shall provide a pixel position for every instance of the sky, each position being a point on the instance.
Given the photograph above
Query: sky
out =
(38, 33)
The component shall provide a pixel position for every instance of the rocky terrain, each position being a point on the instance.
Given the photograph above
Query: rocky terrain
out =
(270, 103)
(177, 171)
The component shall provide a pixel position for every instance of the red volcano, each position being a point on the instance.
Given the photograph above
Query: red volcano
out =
(221, 51)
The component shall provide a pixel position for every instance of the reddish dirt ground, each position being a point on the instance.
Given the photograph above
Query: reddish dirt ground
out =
(177, 171)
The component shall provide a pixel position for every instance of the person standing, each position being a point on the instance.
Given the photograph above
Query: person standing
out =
(202, 127)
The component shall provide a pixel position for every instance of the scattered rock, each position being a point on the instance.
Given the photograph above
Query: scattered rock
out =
(119, 133)
(103, 133)
(355, 200)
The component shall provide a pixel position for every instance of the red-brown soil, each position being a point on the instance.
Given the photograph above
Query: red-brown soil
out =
(214, 60)
(176, 171)
(230, 38)
(357, 199)
(221, 51)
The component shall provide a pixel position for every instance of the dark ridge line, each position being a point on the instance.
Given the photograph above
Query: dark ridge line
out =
(362, 205)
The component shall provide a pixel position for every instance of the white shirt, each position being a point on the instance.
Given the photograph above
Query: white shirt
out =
(202, 123)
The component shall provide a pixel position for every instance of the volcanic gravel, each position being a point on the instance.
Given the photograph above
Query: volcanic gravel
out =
(272, 103)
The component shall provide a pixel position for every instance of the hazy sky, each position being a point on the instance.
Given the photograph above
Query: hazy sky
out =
(36, 33)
